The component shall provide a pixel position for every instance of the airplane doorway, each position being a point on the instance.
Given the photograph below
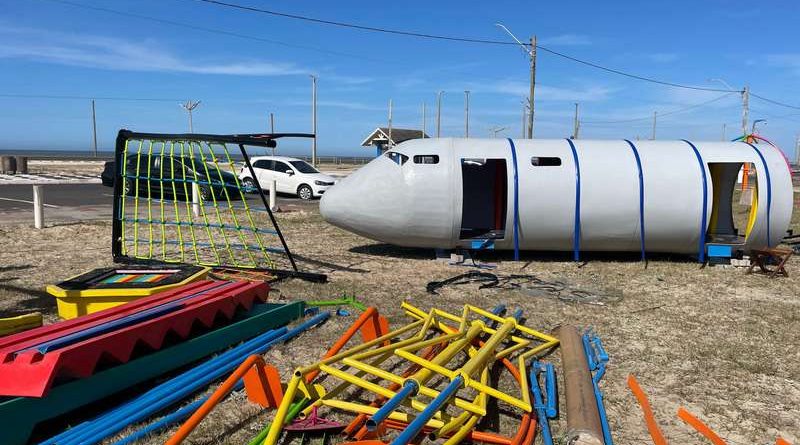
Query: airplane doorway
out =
(485, 197)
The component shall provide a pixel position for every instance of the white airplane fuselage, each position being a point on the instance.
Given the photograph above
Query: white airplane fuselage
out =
(563, 195)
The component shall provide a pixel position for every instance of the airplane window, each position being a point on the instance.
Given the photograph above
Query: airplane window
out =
(398, 158)
(426, 159)
(543, 161)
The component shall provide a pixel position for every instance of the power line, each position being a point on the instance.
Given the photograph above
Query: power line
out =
(634, 76)
(774, 102)
(457, 39)
(667, 113)
(354, 26)
(71, 97)
(213, 30)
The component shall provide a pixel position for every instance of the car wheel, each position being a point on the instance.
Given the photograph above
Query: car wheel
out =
(304, 192)
(205, 194)
(250, 185)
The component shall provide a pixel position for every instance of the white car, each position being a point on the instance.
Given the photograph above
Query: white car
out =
(291, 175)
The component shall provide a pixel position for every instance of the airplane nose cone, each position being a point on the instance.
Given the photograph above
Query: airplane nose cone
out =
(370, 202)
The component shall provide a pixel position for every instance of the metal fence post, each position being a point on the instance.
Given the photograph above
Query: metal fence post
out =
(38, 206)
(196, 199)
(273, 192)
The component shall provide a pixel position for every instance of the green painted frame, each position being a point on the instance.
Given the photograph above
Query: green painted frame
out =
(24, 413)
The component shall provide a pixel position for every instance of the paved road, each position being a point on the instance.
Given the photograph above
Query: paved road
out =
(86, 201)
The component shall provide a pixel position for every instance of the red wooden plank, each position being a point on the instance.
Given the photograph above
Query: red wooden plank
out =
(31, 373)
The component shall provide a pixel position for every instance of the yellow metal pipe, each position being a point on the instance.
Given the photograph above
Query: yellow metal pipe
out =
(447, 354)
(424, 390)
(463, 431)
(369, 386)
(362, 347)
(486, 352)
(497, 394)
(365, 409)
(417, 313)
(280, 415)
(426, 364)
(521, 327)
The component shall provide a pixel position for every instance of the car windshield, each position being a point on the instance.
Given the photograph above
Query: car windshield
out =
(213, 171)
(303, 167)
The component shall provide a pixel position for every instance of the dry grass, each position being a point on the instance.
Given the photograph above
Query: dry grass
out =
(722, 343)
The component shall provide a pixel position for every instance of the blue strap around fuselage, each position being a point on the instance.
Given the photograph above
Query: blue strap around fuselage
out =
(769, 190)
(576, 239)
(701, 248)
(516, 199)
(641, 195)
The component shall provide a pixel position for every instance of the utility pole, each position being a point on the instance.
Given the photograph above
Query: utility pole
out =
(533, 86)
(655, 117)
(466, 113)
(94, 129)
(189, 106)
(724, 132)
(524, 118)
(389, 142)
(745, 108)
(797, 151)
(439, 114)
(424, 120)
(530, 50)
(495, 130)
(272, 128)
(576, 124)
(314, 120)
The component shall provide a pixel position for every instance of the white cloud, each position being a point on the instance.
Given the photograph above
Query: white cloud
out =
(786, 60)
(662, 57)
(118, 54)
(546, 92)
(566, 40)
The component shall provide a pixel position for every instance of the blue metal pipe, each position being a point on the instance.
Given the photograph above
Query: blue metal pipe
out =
(518, 314)
(169, 388)
(170, 419)
(410, 388)
(414, 428)
(538, 403)
(587, 349)
(177, 389)
(169, 395)
(597, 355)
(550, 386)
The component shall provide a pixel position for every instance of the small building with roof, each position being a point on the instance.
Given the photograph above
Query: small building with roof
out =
(384, 138)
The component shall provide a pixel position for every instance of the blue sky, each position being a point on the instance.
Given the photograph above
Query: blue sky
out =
(51, 48)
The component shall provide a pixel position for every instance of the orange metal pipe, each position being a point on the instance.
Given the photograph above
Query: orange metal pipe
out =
(216, 397)
(701, 427)
(650, 420)
(342, 341)
(782, 441)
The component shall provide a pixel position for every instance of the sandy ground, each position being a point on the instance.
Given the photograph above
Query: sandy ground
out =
(717, 341)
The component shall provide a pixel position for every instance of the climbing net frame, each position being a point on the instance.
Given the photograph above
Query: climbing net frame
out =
(178, 198)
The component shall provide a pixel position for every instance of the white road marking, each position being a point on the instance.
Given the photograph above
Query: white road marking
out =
(27, 202)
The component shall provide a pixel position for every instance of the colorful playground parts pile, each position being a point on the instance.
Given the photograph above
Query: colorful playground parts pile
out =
(432, 376)
(52, 370)
(105, 288)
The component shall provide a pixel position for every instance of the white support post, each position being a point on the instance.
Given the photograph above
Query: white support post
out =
(196, 199)
(273, 195)
(38, 206)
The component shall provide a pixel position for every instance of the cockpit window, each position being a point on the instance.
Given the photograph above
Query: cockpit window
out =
(398, 158)
(426, 159)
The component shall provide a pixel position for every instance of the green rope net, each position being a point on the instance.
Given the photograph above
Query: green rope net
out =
(179, 199)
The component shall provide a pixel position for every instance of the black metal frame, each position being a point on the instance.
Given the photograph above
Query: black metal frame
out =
(257, 140)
